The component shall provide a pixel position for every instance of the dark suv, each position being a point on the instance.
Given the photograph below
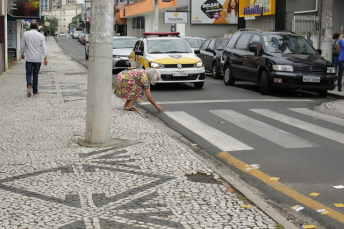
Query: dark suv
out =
(277, 59)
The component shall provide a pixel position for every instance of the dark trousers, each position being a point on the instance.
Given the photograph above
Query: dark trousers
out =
(335, 62)
(32, 70)
(340, 75)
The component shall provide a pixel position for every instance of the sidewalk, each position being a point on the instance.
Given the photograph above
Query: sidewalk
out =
(48, 181)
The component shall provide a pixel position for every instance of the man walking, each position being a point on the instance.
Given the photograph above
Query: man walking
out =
(33, 44)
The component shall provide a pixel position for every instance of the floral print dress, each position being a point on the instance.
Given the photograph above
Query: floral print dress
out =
(130, 84)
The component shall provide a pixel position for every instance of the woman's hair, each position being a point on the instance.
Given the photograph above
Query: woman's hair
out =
(335, 36)
(229, 9)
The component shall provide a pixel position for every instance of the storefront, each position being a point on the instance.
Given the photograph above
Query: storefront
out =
(263, 14)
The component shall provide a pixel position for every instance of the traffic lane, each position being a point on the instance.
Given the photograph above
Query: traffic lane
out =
(74, 49)
(304, 170)
(215, 90)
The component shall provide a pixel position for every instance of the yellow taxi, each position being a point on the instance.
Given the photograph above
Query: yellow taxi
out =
(171, 56)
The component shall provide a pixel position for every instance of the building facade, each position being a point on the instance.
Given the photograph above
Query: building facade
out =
(64, 16)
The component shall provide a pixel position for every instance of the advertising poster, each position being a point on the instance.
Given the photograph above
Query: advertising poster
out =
(24, 8)
(214, 11)
(11, 38)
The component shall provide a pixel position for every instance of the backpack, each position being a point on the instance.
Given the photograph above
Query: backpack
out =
(334, 48)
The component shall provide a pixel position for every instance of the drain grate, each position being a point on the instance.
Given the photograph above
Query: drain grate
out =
(202, 178)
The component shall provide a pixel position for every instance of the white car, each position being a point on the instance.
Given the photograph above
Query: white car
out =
(172, 56)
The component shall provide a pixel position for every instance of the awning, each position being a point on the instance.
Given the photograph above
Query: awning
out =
(120, 21)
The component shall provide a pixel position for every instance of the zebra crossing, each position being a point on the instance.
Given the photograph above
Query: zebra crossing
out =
(264, 130)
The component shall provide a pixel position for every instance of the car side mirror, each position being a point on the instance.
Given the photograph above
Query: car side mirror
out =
(197, 51)
(319, 51)
(254, 49)
(138, 53)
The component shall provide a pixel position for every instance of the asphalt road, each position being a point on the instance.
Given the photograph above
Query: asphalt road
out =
(280, 133)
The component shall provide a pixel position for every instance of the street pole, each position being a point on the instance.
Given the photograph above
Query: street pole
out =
(99, 91)
(326, 29)
(156, 16)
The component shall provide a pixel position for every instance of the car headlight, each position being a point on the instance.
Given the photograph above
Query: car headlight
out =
(331, 70)
(198, 64)
(283, 68)
(156, 65)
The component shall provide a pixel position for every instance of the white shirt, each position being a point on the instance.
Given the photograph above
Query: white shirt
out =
(33, 44)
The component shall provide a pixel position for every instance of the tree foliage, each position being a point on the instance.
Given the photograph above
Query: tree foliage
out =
(75, 20)
(52, 28)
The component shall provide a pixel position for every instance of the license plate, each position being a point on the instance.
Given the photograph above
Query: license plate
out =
(179, 73)
(127, 63)
(312, 79)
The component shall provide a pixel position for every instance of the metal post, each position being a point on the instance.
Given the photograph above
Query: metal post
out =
(156, 16)
(99, 91)
(326, 29)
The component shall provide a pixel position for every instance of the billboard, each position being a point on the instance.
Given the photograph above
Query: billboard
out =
(24, 8)
(214, 11)
(176, 17)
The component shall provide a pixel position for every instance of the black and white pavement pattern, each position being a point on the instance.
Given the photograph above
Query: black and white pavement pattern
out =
(47, 180)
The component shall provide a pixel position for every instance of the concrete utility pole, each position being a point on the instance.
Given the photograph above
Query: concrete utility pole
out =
(99, 92)
(156, 16)
(326, 28)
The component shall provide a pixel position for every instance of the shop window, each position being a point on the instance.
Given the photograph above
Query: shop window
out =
(138, 23)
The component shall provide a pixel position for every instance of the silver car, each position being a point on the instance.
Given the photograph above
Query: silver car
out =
(122, 47)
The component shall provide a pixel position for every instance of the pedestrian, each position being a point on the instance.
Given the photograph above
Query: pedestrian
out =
(340, 50)
(34, 46)
(131, 84)
(335, 54)
(45, 35)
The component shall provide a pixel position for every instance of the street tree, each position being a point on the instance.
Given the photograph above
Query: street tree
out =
(53, 24)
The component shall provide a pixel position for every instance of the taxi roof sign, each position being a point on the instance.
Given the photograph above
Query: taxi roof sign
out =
(161, 34)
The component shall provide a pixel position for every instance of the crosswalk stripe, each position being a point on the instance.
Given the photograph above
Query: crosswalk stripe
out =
(212, 135)
(330, 134)
(226, 101)
(270, 133)
(328, 118)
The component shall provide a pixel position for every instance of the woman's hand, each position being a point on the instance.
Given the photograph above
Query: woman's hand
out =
(159, 108)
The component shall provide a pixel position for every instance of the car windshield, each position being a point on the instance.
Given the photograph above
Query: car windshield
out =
(221, 44)
(168, 46)
(276, 43)
(120, 43)
(194, 43)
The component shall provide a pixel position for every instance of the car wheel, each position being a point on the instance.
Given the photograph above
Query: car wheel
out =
(265, 84)
(228, 78)
(199, 85)
(322, 93)
(216, 72)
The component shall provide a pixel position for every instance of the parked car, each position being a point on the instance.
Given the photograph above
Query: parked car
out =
(76, 34)
(171, 56)
(210, 54)
(86, 39)
(81, 36)
(194, 42)
(276, 59)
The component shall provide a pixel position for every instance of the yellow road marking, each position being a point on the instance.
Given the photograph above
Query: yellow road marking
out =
(281, 187)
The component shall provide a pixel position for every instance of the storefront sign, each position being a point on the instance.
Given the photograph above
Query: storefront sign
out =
(176, 17)
(253, 11)
(249, 8)
(214, 11)
(24, 8)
